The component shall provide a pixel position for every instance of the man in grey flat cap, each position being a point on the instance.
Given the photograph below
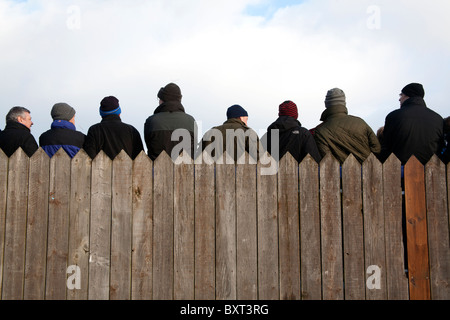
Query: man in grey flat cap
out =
(63, 133)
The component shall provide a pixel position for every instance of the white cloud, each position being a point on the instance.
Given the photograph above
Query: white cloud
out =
(81, 51)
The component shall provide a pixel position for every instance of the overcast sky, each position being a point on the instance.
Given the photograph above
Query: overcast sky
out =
(256, 53)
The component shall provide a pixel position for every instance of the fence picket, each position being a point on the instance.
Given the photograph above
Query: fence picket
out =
(36, 245)
(374, 243)
(163, 228)
(100, 228)
(142, 246)
(246, 221)
(416, 230)
(268, 273)
(15, 226)
(331, 229)
(288, 218)
(353, 230)
(205, 257)
(184, 230)
(438, 229)
(120, 278)
(396, 279)
(3, 199)
(80, 200)
(310, 261)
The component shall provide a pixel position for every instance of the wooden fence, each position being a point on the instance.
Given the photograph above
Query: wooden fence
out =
(101, 229)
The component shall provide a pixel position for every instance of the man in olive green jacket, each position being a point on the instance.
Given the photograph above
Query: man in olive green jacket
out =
(342, 134)
(233, 137)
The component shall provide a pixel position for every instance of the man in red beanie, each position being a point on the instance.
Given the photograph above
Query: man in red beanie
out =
(293, 138)
(413, 129)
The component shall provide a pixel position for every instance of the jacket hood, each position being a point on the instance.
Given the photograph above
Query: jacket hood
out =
(170, 106)
(333, 111)
(285, 123)
(16, 125)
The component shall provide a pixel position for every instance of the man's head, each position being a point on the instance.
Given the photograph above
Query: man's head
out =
(288, 108)
(236, 111)
(20, 115)
(410, 91)
(335, 97)
(170, 92)
(110, 106)
(62, 111)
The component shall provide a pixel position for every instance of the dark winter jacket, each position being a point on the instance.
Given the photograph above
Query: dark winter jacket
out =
(17, 135)
(413, 130)
(293, 138)
(112, 136)
(158, 129)
(62, 134)
(343, 134)
(245, 139)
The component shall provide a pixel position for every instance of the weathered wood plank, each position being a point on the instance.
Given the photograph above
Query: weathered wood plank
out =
(396, 279)
(268, 268)
(58, 226)
(246, 230)
(100, 228)
(374, 242)
(289, 227)
(3, 199)
(36, 245)
(353, 230)
(331, 226)
(205, 259)
(142, 253)
(438, 229)
(416, 230)
(80, 208)
(184, 229)
(311, 270)
(122, 182)
(15, 226)
(226, 230)
(163, 236)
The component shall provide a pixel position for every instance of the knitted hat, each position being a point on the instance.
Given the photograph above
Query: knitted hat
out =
(288, 108)
(236, 111)
(109, 105)
(335, 97)
(62, 111)
(414, 90)
(171, 92)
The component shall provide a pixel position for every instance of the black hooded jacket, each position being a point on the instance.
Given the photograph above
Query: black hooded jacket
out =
(17, 135)
(158, 129)
(412, 130)
(293, 138)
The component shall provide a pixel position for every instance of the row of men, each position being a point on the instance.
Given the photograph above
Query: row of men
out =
(414, 129)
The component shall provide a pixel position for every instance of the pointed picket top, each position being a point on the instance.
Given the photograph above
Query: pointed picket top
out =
(309, 161)
(288, 160)
(204, 157)
(413, 163)
(39, 155)
(60, 154)
(18, 154)
(329, 159)
(392, 161)
(184, 158)
(101, 156)
(267, 165)
(163, 156)
(81, 156)
(371, 159)
(143, 159)
(350, 161)
(122, 157)
(434, 162)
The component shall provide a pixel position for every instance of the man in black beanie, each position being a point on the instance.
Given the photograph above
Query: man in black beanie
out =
(414, 129)
(112, 135)
(169, 118)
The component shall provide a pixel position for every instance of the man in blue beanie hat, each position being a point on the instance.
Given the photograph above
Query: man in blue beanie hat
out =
(234, 137)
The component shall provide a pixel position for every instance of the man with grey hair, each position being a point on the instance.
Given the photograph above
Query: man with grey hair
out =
(17, 133)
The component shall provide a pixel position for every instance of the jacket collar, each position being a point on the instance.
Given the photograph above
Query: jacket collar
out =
(170, 106)
(112, 117)
(416, 101)
(16, 125)
(63, 124)
(340, 110)
(238, 121)
(286, 122)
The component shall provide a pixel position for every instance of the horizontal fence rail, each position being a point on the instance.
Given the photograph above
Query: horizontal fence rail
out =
(100, 229)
